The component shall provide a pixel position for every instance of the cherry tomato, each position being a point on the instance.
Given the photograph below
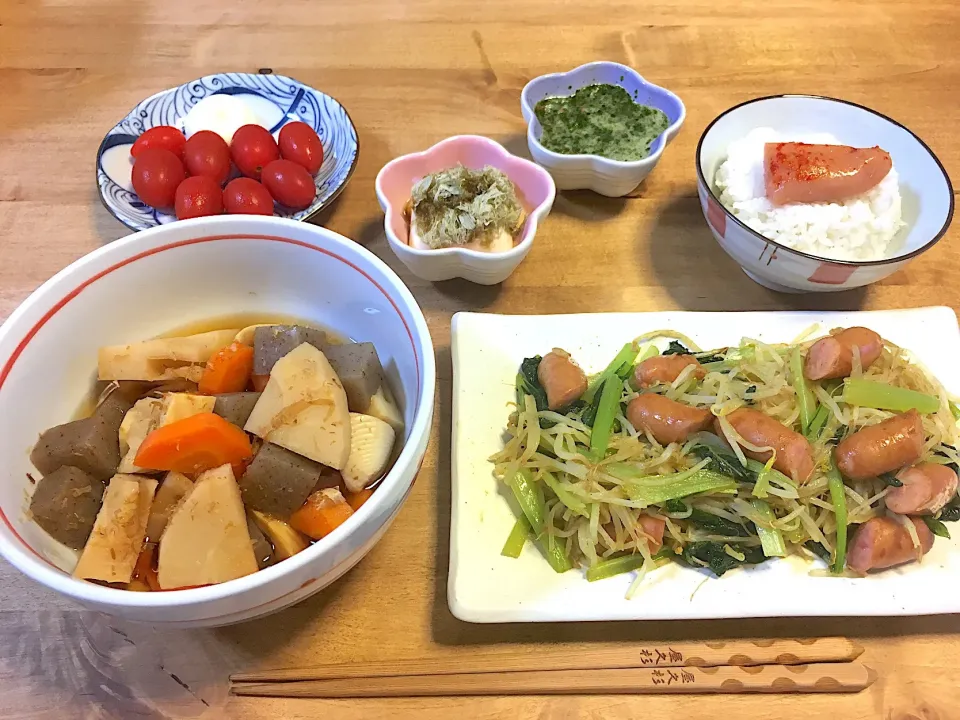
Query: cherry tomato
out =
(243, 196)
(252, 148)
(289, 184)
(207, 154)
(198, 196)
(300, 144)
(156, 175)
(161, 136)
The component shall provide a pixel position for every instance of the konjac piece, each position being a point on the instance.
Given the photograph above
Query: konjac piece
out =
(236, 407)
(111, 552)
(278, 481)
(272, 342)
(66, 503)
(90, 444)
(359, 369)
(206, 540)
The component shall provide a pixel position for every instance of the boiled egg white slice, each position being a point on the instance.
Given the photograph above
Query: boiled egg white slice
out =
(222, 114)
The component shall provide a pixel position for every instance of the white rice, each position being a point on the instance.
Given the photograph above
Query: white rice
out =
(861, 228)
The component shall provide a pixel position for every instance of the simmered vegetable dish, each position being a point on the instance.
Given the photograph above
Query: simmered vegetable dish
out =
(214, 455)
(838, 447)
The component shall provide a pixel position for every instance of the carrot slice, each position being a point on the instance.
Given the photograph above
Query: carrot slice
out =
(228, 370)
(324, 511)
(195, 444)
(259, 382)
(357, 499)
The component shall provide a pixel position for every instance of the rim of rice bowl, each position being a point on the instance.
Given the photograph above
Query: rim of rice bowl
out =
(711, 186)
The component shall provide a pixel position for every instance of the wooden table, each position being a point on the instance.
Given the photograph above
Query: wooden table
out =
(412, 73)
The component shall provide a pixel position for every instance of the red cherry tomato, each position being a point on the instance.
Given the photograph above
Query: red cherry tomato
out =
(166, 137)
(156, 175)
(289, 184)
(252, 148)
(198, 196)
(300, 144)
(243, 196)
(207, 154)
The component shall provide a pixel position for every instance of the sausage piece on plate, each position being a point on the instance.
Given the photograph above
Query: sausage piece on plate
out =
(926, 488)
(667, 420)
(562, 379)
(794, 453)
(883, 542)
(653, 528)
(832, 357)
(665, 369)
(885, 447)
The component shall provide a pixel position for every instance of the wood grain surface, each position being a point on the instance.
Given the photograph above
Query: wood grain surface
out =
(411, 73)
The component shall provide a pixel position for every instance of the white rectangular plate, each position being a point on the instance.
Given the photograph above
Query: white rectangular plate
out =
(485, 587)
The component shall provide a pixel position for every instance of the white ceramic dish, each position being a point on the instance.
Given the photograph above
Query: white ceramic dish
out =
(613, 178)
(928, 201)
(486, 587)
(535, 190)
(161, 279)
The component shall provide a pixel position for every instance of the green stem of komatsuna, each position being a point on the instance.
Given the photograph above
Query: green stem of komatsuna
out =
(871, 394)
(806, 399)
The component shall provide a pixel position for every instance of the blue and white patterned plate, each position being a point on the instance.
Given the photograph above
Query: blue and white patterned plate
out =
(275, 99)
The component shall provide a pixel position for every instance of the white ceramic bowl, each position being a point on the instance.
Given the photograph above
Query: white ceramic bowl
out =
(613, 178)
(924, 186)
(535, 190)
(158, 280)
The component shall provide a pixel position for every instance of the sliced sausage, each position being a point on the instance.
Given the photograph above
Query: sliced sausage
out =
(883, 542)
(926, 488)
(91, 444)
(881, 448)
(272, 342)
(653, 528)
(793, 450)
(66, 503)
(360, 372)
(665, 369)
(832, 357)
(236, 407)
(563, 380)
(278, 481)
(667, 420)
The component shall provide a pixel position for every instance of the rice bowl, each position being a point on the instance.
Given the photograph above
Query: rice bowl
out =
(859, 228)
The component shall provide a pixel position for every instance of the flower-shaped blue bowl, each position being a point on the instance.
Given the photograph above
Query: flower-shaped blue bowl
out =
(613, 178)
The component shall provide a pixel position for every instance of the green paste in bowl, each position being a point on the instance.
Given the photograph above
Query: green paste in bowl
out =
(599, 120)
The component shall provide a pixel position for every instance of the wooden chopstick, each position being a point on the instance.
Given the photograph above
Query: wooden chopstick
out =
(665, 655)
(818, 678)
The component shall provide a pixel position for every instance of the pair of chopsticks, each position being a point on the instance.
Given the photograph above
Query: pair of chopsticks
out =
(760, 666)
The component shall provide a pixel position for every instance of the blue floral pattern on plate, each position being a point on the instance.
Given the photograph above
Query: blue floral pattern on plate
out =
(279, 99)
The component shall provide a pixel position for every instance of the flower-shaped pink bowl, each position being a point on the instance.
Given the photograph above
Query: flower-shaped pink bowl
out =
(535, 189)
